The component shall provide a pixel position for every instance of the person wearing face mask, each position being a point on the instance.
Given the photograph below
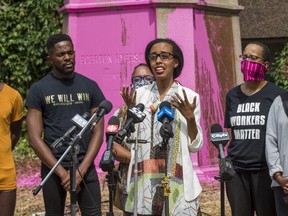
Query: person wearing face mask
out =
(141, 76)
(165, 59)
(247, 107)
(277, 148)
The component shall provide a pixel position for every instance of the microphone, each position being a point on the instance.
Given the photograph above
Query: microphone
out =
(219, 139)
(104, 108)
(134, 115)
(165, 116)
(107, 161)
(78, 122)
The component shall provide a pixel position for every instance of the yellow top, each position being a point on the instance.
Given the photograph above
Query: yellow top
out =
(11, 110)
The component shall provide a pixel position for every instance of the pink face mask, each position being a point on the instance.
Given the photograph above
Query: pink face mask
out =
(253, 71)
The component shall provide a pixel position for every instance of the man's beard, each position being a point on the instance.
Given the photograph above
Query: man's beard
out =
(62, 70)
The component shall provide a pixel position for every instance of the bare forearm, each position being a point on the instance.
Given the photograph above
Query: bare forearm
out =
(46, 156)
(121, 154)
(16, 130)
(192, 128)
(35, 130)
(93, 148)
(15, 138)
(89, 157)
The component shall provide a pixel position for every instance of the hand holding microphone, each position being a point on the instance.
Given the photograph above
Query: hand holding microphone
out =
(219, 139)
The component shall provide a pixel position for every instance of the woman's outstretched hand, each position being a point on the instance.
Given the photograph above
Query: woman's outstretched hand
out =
(129, 95)
(183, 105)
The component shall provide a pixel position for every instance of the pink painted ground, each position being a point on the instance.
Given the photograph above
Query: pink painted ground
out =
(28, 179)
(28, 173)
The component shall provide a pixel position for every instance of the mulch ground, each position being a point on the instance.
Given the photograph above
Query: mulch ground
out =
(28, 204)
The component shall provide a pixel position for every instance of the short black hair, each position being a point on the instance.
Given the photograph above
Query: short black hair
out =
(266, 54)
(177, 53)
(56, 38)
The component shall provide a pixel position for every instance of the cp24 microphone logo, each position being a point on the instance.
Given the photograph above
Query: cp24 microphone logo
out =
(220, 136)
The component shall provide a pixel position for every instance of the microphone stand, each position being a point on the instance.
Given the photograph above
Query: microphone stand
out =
(132, 129)
(166, 133)
(136, 171)
(226, 171)
(111, 187)
(165, 181)
(73, 149)
(222, 192)
(72, 168)
(110, 180)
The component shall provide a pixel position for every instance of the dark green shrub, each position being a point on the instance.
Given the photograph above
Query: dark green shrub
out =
(277, 75)
(22, 150)
(25, 27)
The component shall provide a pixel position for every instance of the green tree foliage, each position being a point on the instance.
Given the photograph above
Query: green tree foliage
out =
(25, 27)
(278, 76)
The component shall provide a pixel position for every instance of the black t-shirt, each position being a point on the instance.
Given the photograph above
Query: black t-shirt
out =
(247, 117)
(60, 100)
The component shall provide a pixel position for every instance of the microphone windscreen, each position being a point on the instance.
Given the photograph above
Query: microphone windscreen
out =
(216, 128)
(165, 104)
(165, 112)
(140, 106)
(112, 127)
(106, 105)
(114, 121)
(217, 136)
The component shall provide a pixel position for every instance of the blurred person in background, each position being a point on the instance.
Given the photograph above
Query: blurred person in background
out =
(141, 76)
(277, 148)
(11, 114)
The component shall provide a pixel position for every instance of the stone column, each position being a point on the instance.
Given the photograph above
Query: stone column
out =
(110, 37)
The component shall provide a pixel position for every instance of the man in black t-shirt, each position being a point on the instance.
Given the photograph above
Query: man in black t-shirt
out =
(52, 102)
(247, 107)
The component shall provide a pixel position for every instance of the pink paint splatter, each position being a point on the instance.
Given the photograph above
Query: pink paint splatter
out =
(26, 181)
